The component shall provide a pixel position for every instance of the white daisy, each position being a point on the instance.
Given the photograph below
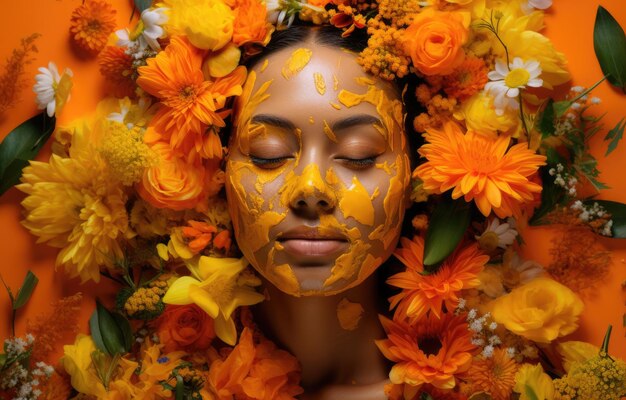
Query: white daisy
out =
(532, 5)
(280, 10)
(497, 235)
(52, 89)
(148, 30)
(506, 82)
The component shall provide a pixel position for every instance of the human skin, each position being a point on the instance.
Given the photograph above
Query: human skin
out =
(318, 171)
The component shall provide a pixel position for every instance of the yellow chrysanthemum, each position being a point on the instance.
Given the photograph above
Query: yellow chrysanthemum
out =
(75, 204)
(218, 287)
(91, 24)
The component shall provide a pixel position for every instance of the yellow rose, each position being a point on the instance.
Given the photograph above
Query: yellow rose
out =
(540, 310)
(532, 378)
(480, 116)
(77, 363)
(208, 24)
(435, 40)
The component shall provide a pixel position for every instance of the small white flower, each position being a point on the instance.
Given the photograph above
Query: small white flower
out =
(47, 88)
(279, 10)
(493, 326)
(476, 325)
(462, 303)
(595, 100)
(471, 314)
(532, 5)
(488, 351)
(503, 233)
(577, 89)
(506, 82)
(510, 351)
(148, 30)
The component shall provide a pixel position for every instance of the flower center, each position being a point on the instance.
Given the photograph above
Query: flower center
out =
(137, 31)
(488, 241)
(429, 345)
(94, 26)
(517, 78)
(187, 93)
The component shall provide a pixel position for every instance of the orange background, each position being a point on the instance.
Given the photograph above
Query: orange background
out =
(570, 27)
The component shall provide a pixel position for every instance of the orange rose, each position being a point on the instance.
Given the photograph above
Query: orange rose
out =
(176, 182)
(186, 328)
(250, 24)
(434, 41)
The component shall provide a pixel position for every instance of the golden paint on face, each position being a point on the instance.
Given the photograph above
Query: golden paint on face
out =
(265, 64)
(315, 201)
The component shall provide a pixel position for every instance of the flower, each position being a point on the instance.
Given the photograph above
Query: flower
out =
(496, 235)
(91, 24)
(506, 83)
(156, 367)
(532, 378)
(78, 364)
(479, 168)
(428, 292)
(576, 352)
(75, 204)
(255, 371)
(185, 327)
(467, 79)
(189, 103)
(219, 288)
(116, 66)
(147, 32)
(529, 6)
(52, 89)
(540, 310)
(432, 351)
(600, 377)
(494, 375)
(176, 182)
(250, 24)
(434, 40)
(208, 24)
(480, 116)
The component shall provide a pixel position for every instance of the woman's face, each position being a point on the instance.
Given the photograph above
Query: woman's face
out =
(318, 170)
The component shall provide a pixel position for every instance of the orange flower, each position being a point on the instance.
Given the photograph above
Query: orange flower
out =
(494, 375)
(468, 79)
(177, 182)
(57, 387)
(421, 293)
(479, 168)
(250, 25)
(91, 24)
(189, 102)
(186, 328)
(433, 351)
(255, 371)
(117, 68)
(435, 39)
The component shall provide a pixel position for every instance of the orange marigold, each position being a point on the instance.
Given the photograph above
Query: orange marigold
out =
(189, 102)
(117, 68)
(91, 24)
(250, 24)
(494, 375)
(434, 351)
(479, 168)
(428, 292)
(468, 79)
(255, 370)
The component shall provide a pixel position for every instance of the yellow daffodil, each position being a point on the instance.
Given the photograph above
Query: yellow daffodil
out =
(78, 364)
(218, 287)
(531, 378)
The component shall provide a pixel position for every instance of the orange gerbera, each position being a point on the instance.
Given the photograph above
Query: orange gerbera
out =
(420, 292)
(257, 371)
(433, 351)
(479, 168)
(91, 24)
(468, 79)
(189, 102)
(494, 375)
(117, 68)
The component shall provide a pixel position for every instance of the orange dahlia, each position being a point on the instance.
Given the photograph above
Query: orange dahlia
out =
(91, 24)
(428, 292)
(117, 68)
(189, 102)
(479, 168)
(468, 79)
(494, 375)
(434, 351)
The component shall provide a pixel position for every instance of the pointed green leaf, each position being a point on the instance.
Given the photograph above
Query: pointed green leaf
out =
(546, 120)
(530, 393)
(94, 327)
(22, 145)
(26, 290)
(125, 330)
(615, 135)
(445, 229)
(560, 107)
(618, 216)
(609, 43)
(142, 5)
(111, 336)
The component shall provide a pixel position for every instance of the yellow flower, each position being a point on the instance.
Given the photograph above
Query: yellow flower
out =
(540, 310)
(208, 24)
(576, 352)
(480, 116)
(531, 377)
(218, 288)
(77, 363)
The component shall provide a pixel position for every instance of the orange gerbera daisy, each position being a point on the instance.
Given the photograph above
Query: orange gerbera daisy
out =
(468, 79)
(494, 375)
(117, 68)
(189, 102)
(479, 168)
(420, 292)
(91, 24)
(433, 351)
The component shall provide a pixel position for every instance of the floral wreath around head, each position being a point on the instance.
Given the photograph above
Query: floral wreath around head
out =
(132, 193)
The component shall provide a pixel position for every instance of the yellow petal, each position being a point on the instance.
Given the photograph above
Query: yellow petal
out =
(225, 330)
(204, 301)
(222, 266)
(162, 251)
(178, 293)
(242, 297)
(223, 62)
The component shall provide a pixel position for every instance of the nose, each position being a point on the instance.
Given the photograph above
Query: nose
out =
(309, 194)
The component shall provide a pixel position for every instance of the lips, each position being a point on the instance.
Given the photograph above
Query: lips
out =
(308, 242)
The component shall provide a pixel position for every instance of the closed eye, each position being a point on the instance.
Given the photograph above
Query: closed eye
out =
(269, 163)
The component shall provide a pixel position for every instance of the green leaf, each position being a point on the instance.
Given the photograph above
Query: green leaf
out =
(3, 360)
(105, 331)
(551, 194)
(125, 329)
(530, 393)
(607, 339)
(142, 5)
(615, 135)
(26, 290)
(618, 215)
(609, 43)
(546, 120)
(445, 229)
(560, 107)
(21, 145)
(180, 388)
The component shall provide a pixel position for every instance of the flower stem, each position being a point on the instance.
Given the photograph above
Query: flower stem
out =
(605, 342)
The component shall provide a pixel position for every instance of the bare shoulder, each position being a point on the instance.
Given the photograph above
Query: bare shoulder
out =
(374, 391)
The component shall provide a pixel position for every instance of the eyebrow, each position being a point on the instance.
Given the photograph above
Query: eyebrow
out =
(354, 120)
(273, 120)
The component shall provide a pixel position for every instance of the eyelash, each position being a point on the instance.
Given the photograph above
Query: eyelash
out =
(356, 163)
(359, 163)
(268, 163)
